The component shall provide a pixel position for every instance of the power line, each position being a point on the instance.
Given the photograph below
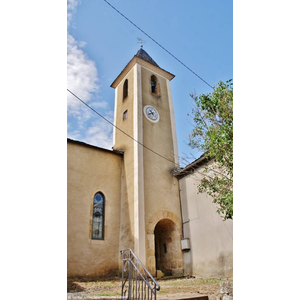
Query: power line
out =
(121, 129)
(157, 43)
(130, 135)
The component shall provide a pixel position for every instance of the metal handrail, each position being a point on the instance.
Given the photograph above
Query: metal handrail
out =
(137, 282)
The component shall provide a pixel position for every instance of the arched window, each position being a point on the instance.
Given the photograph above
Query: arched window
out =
(153, 84)
(98, 217)
(125, 89)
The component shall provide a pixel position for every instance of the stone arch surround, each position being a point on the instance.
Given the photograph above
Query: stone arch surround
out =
(178, 256)
(162, 215)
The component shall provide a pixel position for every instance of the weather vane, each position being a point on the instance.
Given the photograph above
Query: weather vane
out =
(141, 41)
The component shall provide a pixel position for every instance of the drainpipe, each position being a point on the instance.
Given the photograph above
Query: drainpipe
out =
(179, 190)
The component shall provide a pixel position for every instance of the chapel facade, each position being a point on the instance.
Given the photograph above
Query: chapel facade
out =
(129, 197)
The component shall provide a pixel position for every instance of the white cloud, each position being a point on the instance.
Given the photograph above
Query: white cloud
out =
(74, 135)
(71, 9)
(100, 134)
(99, 104)
(83, 81)
(82, 72)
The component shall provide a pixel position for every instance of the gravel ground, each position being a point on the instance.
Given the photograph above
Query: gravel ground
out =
(95, 288)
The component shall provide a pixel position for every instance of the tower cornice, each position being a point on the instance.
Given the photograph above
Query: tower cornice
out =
(142, 62)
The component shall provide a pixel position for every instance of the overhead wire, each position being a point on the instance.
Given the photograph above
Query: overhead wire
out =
(121, 129)
(169, 54)
(146, 147)
(158, 43)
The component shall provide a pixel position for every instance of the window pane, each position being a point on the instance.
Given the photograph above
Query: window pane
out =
(98, 217)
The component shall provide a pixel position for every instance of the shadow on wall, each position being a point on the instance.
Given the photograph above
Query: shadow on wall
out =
(221, 267)
(225, 263)
(126, 239)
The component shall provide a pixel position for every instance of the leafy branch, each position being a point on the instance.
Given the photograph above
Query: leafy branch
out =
(213, 135)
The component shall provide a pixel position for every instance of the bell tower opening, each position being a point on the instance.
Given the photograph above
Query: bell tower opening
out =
(168, 254)
(153, 84)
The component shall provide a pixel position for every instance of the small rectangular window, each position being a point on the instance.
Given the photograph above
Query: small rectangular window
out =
(125, 115)
(165, 248)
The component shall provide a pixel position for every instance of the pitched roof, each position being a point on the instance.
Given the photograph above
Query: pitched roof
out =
(145, 56)
(139, 57)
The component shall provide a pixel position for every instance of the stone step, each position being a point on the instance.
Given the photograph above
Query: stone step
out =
(119, 298)
(169, 298)
(185, 298)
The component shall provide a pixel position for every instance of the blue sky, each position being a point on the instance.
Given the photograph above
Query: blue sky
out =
(101, 42)
(266, 118)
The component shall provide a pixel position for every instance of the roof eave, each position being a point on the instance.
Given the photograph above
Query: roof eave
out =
(144, 63)
(189, 169)
(95, 147)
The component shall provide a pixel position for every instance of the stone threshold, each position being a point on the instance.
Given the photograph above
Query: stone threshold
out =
(173, 297)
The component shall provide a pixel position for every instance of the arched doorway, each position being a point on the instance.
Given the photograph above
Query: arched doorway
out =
(168, 255)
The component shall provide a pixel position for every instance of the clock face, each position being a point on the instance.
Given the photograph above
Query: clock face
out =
(151, 113)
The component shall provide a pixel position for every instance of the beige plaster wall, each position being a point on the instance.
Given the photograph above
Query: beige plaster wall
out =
(124, 143)
(211, 238)
(161, 191)
(91, 170)
(162, 194)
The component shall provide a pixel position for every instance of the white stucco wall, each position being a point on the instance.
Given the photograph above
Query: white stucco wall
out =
(211, 238)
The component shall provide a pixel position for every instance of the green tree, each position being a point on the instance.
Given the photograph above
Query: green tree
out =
(213, 134)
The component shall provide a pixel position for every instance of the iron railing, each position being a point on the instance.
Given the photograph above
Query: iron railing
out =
(137, 282)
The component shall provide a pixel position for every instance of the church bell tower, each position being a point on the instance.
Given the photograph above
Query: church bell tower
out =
(150, 205)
